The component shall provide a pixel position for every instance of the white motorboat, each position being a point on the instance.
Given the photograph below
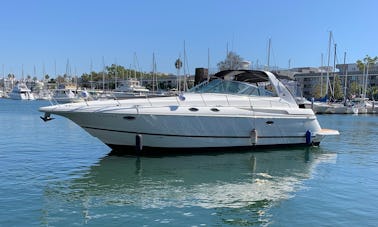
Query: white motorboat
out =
(41, 92)
(65, 95)
(235, 109)
(21, 92)
(130, 88)
(322, 108)
(3, 94)
(362, 106)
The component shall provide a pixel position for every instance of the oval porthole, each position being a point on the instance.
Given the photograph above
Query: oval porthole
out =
(269, 122)
(129, 117)
(214, 109)
(193, 109)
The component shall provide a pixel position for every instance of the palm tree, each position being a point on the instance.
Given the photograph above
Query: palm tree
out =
(364, 67)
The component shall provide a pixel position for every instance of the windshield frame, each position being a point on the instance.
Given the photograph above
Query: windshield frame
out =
(221, 86)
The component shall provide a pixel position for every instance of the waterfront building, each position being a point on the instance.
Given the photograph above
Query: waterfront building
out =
(311, 81)
(354, 74)
(308, 80)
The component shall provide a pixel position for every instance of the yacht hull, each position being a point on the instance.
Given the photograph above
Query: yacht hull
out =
(237, 109)
(21, 96)
(157, 131)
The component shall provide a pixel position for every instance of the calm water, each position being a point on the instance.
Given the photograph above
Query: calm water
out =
(55, 174)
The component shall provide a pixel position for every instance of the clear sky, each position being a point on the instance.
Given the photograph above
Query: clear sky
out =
(39, 33)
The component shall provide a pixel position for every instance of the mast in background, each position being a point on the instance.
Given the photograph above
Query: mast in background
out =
(345, 78)
(269, 45)
(208, 64)
(321, 75)
(329, 58)
(334, 72)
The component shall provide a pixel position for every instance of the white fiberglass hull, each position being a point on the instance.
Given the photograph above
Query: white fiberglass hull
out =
(191, 132)
(237, 109)
(182, 127)
(21, 96)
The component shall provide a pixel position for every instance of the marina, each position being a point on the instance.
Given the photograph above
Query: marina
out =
(56, 174)
(191, 113)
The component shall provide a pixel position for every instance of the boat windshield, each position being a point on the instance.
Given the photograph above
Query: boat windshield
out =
(232, 87)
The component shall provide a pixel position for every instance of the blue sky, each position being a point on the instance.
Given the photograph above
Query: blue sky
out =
(38, 33)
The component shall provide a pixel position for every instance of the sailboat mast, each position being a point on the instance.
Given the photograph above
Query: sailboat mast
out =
(329, 58)
(103, 74)
(153, 72)
(136, 66)
(363, 79)
(34, 71)
(346, 77)
(269, 44)
(43, 70)
(321, 75)
(227, 49)
(208, 64)
(91, 70)
(115, 74)
(68, 71)
(185, 65)
(76, 85)
(334, 75)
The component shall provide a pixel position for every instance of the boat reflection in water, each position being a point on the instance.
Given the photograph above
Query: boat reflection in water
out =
(126, 187)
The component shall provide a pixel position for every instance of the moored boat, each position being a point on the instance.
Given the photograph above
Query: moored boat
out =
(21, 92)
(235, 109)
(130, 88)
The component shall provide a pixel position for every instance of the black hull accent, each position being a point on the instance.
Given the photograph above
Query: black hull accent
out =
(161, 151)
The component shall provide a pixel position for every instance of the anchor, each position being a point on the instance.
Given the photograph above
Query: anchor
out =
(47, 117)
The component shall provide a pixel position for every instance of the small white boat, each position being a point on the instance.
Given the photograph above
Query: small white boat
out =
(322, 108)
(3, 94)
(21, 92)
(43, 95)
(374, 106)
(235, 109)
(130, 88)
(41, 92)
(361, 105)
(65, 95)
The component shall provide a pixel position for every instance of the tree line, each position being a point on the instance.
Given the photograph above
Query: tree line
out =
(110, 75)
(113, 73)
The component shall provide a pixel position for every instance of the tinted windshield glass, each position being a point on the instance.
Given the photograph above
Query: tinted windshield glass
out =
(231, 87)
